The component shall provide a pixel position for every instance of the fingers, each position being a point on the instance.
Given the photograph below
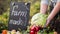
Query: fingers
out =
(47, 22)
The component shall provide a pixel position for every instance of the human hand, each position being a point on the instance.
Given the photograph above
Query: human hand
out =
(47, 22)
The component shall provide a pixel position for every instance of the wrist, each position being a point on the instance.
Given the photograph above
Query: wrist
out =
(49, 18)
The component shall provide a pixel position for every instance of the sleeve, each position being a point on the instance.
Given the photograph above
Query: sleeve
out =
(58, 1)
(45, 2)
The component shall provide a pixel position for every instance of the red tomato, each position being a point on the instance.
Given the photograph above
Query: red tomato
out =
(33, 28)
(35, 32)
(37, 28)
(32, 32)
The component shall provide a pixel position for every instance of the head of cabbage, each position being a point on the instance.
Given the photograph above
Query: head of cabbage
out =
(39, 19)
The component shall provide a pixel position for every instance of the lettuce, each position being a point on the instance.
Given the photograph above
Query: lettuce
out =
(39, 19)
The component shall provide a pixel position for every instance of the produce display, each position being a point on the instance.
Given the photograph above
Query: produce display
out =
(39, 19)
(34, 29)
(10, 32)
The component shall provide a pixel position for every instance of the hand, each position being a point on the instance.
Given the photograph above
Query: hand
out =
(47, 22)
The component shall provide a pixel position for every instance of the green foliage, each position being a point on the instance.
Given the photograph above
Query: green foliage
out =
(35, 8)
(2, 27)
(4, 4)
(4, 21)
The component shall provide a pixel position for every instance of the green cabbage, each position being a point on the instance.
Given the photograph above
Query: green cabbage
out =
(39, 19)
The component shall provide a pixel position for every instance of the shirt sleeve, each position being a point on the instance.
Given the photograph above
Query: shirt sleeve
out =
(58, 1)
(45, 2)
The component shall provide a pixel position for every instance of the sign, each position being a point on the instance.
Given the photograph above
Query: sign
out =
(19, 15)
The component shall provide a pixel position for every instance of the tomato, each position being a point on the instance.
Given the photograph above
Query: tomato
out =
(4, 32)
(40, 27)
(32, 32)
(37, 28)
(35, 32)
(33, 28)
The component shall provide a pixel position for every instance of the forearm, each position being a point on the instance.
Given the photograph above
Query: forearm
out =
(54, 11)
(43, 8)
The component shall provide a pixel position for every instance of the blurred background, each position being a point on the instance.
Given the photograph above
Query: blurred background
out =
(5, 10)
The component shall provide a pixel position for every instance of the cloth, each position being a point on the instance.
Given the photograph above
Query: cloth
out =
(47, 1)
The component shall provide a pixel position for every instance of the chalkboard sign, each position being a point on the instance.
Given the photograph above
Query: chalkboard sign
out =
(19, 15)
